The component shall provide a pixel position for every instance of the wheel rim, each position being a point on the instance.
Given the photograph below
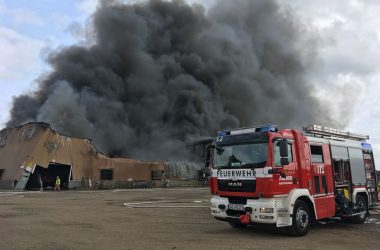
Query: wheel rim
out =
(302, 219)
(362, 208)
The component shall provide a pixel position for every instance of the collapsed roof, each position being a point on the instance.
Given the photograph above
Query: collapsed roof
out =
(24, 147)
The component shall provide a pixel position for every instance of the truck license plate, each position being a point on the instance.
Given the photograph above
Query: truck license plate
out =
(238, 207)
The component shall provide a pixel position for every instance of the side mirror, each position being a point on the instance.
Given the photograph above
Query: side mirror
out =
(284, 152)
(283, 148)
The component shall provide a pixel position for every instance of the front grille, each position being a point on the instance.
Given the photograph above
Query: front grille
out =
(237, 200)
(237, 186)
(234, 213)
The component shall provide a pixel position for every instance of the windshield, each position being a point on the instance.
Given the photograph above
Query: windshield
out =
(244, 155)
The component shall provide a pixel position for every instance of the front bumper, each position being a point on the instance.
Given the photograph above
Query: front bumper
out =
(263, 210)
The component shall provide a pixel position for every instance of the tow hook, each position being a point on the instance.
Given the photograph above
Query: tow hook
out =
(245, 219)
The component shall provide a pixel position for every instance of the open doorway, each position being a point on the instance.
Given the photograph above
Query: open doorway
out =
(342, 177)
(44, 178)
(342, 173)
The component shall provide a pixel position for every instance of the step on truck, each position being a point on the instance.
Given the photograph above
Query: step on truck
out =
(290, 178)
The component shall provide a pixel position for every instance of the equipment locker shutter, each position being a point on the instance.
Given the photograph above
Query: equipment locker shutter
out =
(357, 166)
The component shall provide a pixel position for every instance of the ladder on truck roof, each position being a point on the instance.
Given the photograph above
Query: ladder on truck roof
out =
(322, 131)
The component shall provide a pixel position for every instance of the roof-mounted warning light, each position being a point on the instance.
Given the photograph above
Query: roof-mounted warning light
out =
(253, 129)
(366, 146)
(331, 132)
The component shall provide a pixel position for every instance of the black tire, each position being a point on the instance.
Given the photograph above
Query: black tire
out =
(361, 202)
(302, 219)
(237, 225)
(346, 220)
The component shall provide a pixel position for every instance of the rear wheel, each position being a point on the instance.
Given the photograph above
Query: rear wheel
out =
(362, 203)
(301, 219)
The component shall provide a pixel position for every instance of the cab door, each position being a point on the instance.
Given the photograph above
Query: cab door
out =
(289, 181)
(322, 180)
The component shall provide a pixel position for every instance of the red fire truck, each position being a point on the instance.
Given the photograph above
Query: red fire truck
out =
(290, 178)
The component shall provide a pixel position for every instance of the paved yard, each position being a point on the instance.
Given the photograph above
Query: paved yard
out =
(152, 219)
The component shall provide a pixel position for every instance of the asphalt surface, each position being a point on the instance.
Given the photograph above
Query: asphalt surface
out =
(152, 219)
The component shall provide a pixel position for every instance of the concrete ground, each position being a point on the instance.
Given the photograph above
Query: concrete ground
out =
(152, 219)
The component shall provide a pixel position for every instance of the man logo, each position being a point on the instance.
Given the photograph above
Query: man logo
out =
(235, 184)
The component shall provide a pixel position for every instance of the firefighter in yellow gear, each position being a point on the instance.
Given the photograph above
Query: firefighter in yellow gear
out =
(57, 184)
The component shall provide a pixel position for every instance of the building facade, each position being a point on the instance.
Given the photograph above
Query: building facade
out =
(33, 155)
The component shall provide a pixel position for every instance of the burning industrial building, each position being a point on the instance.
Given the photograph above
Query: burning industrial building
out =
(33, 155)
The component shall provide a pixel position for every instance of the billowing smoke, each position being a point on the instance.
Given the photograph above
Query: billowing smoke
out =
(161, 74)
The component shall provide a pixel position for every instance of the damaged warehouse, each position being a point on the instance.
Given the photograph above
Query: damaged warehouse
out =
(33, 154)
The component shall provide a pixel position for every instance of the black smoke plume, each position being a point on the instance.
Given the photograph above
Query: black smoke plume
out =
(160, 74)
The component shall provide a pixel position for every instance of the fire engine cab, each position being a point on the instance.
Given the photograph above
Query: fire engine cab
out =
(290, 178)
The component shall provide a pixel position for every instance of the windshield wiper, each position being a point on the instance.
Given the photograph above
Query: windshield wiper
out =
(255, 165)
(247, 165)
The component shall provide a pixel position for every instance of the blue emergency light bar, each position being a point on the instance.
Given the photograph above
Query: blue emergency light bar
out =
(269, 128)
(366, 146)
(222, 133)
(253, 129)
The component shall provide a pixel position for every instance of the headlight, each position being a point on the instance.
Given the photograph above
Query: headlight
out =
(212, 205)
(266, 210)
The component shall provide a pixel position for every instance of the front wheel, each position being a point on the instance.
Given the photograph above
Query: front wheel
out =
(301, 219)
